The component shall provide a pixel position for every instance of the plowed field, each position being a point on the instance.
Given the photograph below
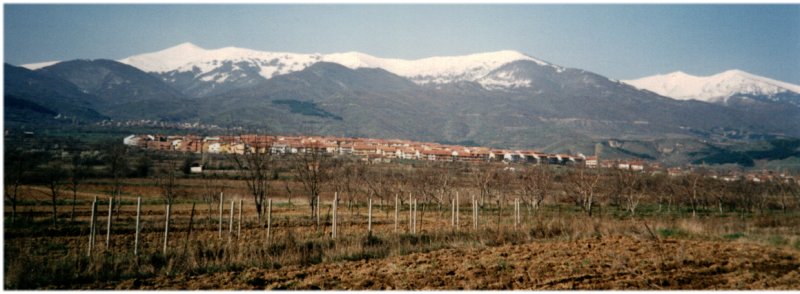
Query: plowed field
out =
(617, 262)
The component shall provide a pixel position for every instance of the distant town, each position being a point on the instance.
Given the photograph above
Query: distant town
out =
(368, 149)
(387, 150)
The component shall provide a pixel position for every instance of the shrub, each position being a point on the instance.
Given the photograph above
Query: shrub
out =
(672, 232)
(733, 236)
(777, 240)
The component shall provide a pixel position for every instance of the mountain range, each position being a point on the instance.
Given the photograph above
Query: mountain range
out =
(502, 99)
(719, 88)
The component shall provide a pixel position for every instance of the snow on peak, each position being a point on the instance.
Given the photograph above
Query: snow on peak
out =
(35, 66)
(167, 59)
(188, 57)
(437, 70)
(714, 88)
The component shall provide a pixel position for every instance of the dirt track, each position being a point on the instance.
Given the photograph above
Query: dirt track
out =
(606, 263)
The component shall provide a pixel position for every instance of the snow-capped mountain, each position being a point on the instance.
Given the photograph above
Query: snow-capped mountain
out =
(203, 72)
(38, 65)
(439, 70)
(500, 98)
(719, 88)
(188, 57)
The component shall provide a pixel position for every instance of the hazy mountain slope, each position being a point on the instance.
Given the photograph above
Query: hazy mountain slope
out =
(124, 91)
(369, 102)
(28, 93)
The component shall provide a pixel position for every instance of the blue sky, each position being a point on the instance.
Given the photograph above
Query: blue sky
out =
(619, 41)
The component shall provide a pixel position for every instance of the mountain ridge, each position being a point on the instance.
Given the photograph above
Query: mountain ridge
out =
(716, 88)
(503, 99)
(202, 66)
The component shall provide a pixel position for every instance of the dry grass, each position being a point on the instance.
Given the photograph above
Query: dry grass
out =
(300, 255)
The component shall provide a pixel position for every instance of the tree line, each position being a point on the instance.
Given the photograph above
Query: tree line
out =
(267, 175)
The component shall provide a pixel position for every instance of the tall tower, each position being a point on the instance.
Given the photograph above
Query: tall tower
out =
(598, 148)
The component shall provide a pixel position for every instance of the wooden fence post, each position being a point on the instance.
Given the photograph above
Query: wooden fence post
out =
(453, 213)
(138, 215)
(396, 211)
(475, 213)
(519, 212)
(239, 222)
(515, 212)
(335, 217)
(166, 229)
(415, 216)
(269, 218)
(230, 225)
(369, 217)
(457, 211)
(410, 214)
(221, 196)
(91, 227)
(108, 227)
(189, 233)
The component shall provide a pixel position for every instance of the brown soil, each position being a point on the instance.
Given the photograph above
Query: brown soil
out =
(603, 263)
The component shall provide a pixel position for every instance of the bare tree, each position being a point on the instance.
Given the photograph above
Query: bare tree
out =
(116, 158)
(288, 189)
(658, 186)
(76, 175)
(166, 179)
(255, 166)
(535, 184)
(339, 178)
(17, 166)
(379, 182)
(631, 186)
(716, 190)
(53, 175)
(483, 175)
(692, 182)
(447, 174)
(351, 177)
(212, 188)
(784, 189)
(311, 167)
(743, 191)
(583, 185)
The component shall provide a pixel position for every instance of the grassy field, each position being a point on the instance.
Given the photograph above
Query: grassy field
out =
(554, 247)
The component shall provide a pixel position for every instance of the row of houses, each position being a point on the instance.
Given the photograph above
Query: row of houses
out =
(387, 150)
(368, 149)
